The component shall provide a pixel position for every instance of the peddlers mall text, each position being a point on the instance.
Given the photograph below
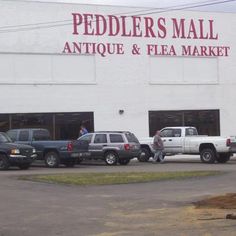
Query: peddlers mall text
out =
(117, 27)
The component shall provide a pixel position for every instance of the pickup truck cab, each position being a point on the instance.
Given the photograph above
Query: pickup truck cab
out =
(185, 140)
(13, 154)
(53, 152)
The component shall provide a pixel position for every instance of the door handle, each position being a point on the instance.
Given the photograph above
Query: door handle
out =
(104, 145)
(164, 140)
(170, 139)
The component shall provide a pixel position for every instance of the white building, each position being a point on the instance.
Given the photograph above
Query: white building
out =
(116, 68)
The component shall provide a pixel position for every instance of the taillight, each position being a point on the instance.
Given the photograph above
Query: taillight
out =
(228, 142)
(69, 146)
(127, 146)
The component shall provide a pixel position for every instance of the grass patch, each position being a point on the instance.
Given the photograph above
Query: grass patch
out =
(117, 177)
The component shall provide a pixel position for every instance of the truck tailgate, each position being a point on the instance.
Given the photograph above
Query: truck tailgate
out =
(233, 144)
(80, 146)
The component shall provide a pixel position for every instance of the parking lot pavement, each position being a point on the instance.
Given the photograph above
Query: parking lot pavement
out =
(156, 208)
(172, 163)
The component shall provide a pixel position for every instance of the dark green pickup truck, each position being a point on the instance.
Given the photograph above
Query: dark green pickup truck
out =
(13, 154)
(53, 152)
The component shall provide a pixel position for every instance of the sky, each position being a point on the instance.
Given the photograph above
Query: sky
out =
(223, 7)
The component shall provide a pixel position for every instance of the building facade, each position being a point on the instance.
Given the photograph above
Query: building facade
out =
(116, 68)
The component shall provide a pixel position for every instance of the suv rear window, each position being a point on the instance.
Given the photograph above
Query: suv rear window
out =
(116, 138)
(131, 138)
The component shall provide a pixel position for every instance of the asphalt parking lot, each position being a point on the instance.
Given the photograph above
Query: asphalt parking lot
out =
(156, 208)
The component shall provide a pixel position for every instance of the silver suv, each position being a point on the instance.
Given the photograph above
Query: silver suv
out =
(111, 146)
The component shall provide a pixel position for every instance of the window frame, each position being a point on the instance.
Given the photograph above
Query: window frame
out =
(123, 140)
(104, 135)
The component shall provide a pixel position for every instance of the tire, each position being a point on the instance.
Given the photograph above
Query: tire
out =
(52, 160)
(4, 163)
(208, 155)
(124, 162)
(24, 166)
(223, 157)
(145, 155)
(111, 158)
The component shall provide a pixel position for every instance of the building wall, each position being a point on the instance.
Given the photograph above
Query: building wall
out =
(36, 76)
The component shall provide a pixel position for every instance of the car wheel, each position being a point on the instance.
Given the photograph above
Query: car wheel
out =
(24, 166)
(4, 163)
(223, 157)
(52, 160)
(144, 155)
(111, 158)
(124, 161)
(208, 156)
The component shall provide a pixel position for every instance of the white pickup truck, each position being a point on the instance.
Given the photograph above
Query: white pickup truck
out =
(185, 140)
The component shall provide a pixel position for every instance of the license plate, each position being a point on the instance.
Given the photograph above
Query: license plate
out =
(85, 154)
(75, 155)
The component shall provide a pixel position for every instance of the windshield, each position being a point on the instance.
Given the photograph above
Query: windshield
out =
(4, 138)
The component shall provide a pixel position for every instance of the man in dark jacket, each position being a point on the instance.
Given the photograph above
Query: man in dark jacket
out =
(158, 148)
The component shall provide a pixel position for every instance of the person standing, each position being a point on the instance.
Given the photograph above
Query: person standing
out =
(82, 131)
(158, 148)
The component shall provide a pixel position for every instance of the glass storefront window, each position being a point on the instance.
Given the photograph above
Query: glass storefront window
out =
(207, 122)
(67, 125)
(42, 120)
(60, 125)
(161, 119)
(4, 122)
